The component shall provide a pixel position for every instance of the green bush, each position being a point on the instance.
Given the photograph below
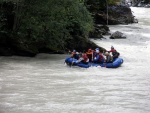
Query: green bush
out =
(46, 23)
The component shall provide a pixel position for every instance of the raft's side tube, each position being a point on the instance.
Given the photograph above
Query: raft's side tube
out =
(83, 65)
(115, 64)
(70, 61)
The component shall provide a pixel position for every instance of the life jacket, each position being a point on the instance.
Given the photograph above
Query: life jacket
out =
(90, 55)
(98, 58)
(101, 57)
(115, 54)
(74, 55)
(89, 52)
(86, 59)
(112, 50)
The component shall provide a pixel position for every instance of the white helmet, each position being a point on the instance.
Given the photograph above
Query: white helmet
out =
(77, 52)
(106, 53)
(96, 49)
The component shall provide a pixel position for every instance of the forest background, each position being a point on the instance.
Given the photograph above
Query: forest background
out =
(29, 27)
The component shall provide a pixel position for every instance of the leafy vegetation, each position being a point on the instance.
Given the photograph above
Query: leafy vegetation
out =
(99, 4)
(32, 25)
(147, 1)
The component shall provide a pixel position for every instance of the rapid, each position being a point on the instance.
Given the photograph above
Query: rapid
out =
(44, 84)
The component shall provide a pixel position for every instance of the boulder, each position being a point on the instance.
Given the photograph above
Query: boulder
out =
(116, 15)
(99, 31)
(135, 20)
(117, 35)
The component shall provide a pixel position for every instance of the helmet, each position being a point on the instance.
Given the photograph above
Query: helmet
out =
(77, 52)
(112, 47)
(106, 53)
(97, 49)
(74, 50)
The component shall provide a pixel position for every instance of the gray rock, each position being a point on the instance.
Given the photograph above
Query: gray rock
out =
(117, 35)
(135, 20)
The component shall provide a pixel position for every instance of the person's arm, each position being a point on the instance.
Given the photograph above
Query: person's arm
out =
(72, 55)
(80, 59)
(110, 51)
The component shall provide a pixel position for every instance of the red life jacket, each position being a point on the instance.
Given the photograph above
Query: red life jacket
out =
(112, 50)
(101, 56)
(85, 58)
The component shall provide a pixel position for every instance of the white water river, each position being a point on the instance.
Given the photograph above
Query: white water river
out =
(45, 85)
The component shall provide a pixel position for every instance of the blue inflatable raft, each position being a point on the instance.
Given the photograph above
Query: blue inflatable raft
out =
(116, 63)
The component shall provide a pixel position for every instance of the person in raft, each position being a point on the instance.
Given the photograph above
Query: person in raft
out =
(109, 58)
(114, 52)
(83, 59)
(89, 54)
(98, 57)
(75, 54)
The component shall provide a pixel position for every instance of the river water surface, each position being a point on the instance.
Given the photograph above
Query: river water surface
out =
(44, 84)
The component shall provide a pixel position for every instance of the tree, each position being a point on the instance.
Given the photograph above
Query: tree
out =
(47, 23)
